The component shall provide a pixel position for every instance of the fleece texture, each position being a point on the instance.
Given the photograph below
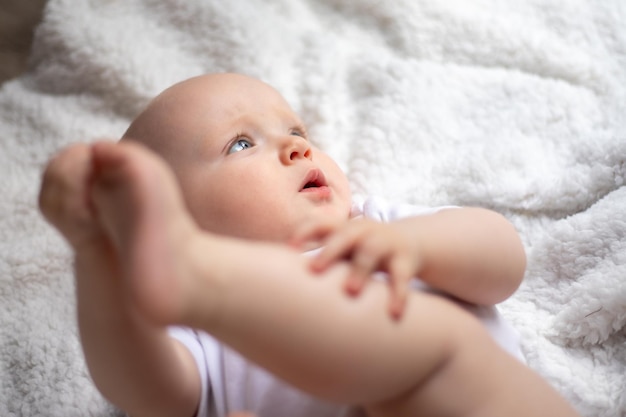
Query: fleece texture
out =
(515, 106)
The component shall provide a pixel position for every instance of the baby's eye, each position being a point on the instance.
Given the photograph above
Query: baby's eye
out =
(298, 132)
(239, 145)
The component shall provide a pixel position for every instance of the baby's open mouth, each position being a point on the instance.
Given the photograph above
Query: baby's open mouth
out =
(311, 185)
(314, 179)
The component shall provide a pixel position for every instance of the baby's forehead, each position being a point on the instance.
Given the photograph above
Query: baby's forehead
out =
(224, 86)
(206, 109)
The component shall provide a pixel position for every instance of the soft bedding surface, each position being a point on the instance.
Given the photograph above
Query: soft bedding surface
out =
(515, 106)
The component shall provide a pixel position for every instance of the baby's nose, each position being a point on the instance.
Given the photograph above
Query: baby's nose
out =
(295, 148)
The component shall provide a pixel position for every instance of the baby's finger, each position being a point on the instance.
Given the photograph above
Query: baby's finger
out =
(338, 246)
(345, 242)
(400, 274)
(312, 232)
(363, 266)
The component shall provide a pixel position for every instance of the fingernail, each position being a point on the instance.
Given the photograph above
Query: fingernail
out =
(316, 265)
(352, 287)
(396, 313)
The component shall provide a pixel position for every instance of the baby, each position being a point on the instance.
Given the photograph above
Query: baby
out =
(188, 238)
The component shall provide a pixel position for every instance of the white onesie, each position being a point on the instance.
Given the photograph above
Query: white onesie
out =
(231, 383)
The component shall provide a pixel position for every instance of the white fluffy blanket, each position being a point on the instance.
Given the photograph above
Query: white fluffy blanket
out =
(516, 106)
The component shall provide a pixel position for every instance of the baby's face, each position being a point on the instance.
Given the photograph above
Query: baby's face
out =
(243, 158)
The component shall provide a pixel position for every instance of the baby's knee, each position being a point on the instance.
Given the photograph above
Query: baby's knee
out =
(456, 385)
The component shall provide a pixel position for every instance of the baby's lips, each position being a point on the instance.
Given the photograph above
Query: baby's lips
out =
(314, 179)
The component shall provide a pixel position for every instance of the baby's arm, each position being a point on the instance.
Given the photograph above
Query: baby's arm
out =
(471, 253)
(132, 361)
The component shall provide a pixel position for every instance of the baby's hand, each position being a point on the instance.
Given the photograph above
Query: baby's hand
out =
(369, 246)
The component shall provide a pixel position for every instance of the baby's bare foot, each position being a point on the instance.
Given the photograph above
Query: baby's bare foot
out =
(140, 207)
(64, 196)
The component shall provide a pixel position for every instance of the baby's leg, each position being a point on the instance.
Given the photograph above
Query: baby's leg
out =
(262, 300)
(139, 205)
(259, 298)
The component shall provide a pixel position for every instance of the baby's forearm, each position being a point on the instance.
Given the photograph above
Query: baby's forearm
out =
(134, 364)
(471, 253)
